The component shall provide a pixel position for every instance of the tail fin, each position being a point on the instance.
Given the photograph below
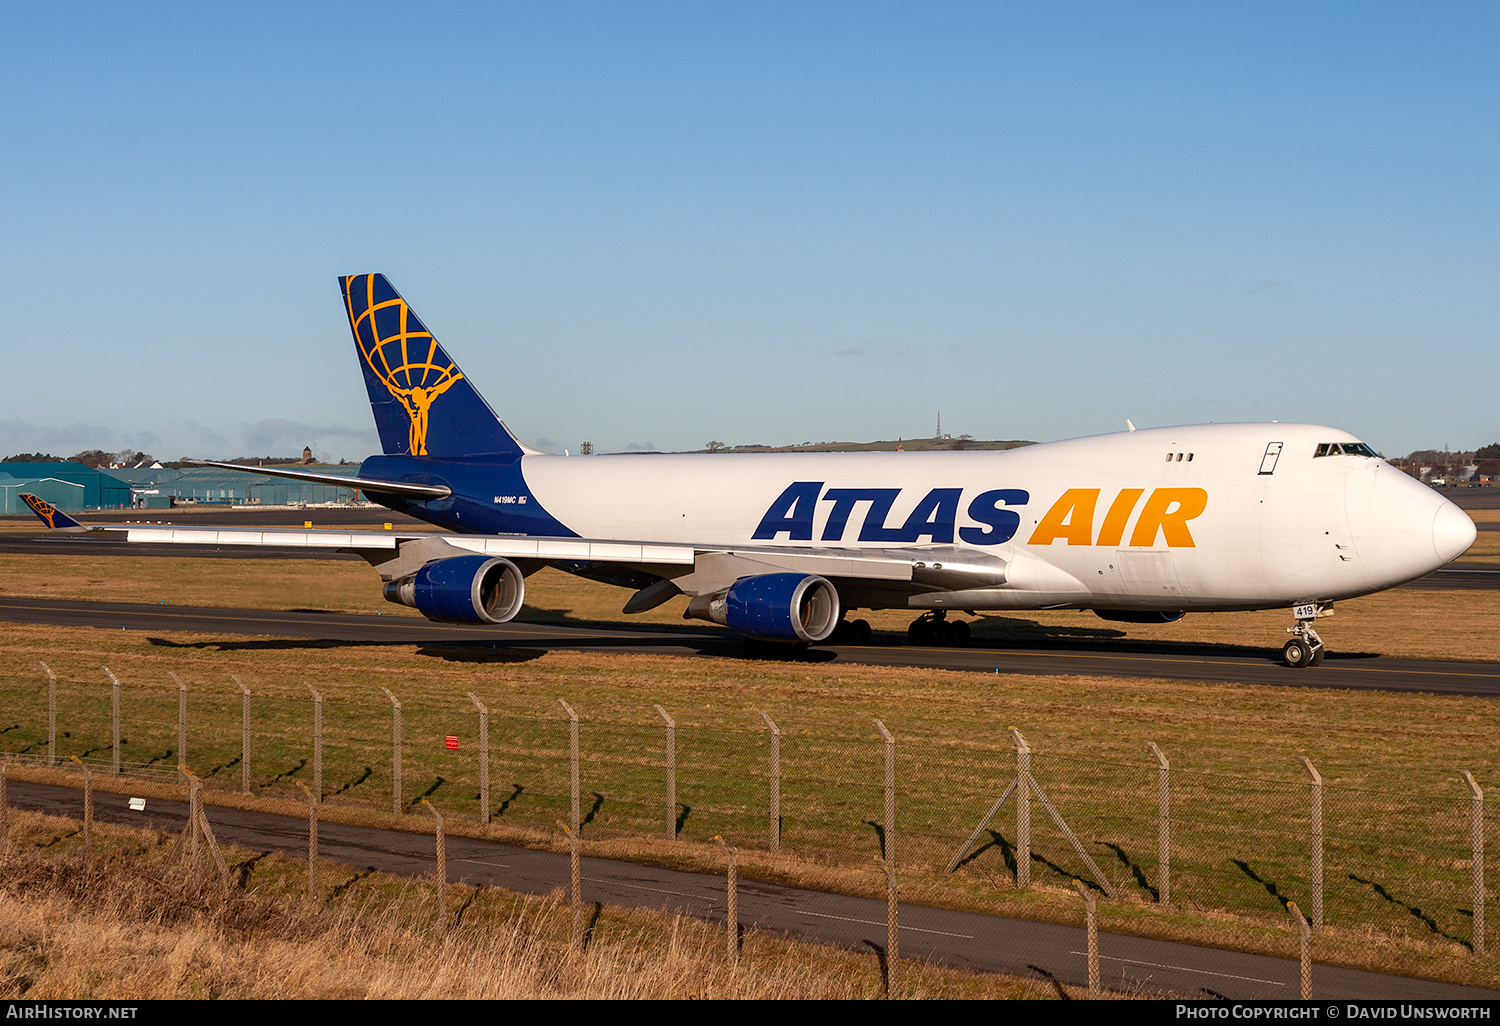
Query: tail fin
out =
(423, 404)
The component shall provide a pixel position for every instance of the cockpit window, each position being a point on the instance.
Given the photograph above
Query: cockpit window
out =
(1344, 449)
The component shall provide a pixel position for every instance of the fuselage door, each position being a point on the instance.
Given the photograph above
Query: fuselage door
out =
(1268, 461)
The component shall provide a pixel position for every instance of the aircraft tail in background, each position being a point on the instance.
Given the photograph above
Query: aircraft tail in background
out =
(423, 403)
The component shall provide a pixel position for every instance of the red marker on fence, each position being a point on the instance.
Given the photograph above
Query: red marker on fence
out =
(452, 742)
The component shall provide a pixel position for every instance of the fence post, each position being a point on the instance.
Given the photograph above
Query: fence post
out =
(395, 751)
(732, 912)
(1476, 815)
(1317, 842)
(4, 824)
(775, 782)
(671, 772)
(1023, 810)
(1091, 922)
(208, 830)
(317, 744)
(114, 719)
(890, 792)
(892, 936)
(244, 736)
(484, 760)
(51, 714)
(575, 881)
(442, 864)
(1306, 948)
(181, 727)
(88, 812)
(312, 843)
(572, 762)
(1163, 825)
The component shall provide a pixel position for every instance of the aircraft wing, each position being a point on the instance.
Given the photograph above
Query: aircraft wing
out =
(691, 569)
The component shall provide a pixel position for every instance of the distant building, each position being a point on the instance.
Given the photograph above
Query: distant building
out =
(68, 486)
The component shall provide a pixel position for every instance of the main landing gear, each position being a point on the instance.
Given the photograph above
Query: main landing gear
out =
(1305, 648)
(934, 628)
(851, 632)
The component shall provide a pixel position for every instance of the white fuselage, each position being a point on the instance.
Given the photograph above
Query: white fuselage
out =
(1216, 516)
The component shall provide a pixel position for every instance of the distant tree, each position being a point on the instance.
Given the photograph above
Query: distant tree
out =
(1488, 452)
(130, 457)
(93, 458)
(32, 457)
(714, 446)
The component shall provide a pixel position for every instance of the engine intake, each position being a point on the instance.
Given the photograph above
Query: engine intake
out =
(774, 607)
(462, 589)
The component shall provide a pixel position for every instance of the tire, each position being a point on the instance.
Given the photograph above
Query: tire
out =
(1296, 653)
(958, 633)
(1317, 656)
(859, 632)
(920, 632)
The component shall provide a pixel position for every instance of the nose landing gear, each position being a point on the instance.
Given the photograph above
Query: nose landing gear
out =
(1305, 648)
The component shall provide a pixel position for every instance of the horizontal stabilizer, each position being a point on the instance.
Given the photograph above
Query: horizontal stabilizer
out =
(365, 484)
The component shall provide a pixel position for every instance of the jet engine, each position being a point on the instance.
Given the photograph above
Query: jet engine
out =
(774, 607)
(462, 589)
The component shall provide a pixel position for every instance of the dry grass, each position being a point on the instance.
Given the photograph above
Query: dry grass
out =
(131, 929)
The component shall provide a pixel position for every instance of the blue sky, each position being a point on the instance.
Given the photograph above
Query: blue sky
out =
(652, 225)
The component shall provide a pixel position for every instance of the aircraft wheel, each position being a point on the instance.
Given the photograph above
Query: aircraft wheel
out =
(1297, 653)
(958, 633)
(1317, 656)
(857, 632)
(920, 632)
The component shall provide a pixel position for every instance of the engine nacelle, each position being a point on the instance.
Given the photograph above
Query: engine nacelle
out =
(462, 589)
(774, 607)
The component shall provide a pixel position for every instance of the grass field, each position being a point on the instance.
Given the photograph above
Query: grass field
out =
(1404, 623)
(1395, 813)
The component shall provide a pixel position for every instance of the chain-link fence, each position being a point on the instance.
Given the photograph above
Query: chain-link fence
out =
(1186, 828)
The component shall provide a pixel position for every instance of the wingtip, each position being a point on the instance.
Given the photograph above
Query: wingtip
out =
(54, 518)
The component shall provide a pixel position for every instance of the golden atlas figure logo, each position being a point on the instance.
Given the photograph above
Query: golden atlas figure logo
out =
(402, 354)
(41, 508)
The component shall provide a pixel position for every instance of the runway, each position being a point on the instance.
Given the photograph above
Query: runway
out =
(1052, 656)
(964, 939)
(238, 629)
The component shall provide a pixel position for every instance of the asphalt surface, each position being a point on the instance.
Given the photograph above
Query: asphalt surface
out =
(1103, 652)
(1106, 655)
(962, 939)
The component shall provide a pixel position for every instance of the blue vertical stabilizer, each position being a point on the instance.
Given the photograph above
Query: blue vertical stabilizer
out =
(423, 404)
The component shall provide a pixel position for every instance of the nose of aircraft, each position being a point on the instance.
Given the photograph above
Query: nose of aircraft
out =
(1401, 528)
(1452, 532)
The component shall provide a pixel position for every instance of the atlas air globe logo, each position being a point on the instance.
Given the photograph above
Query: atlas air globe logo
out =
(403, 355)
